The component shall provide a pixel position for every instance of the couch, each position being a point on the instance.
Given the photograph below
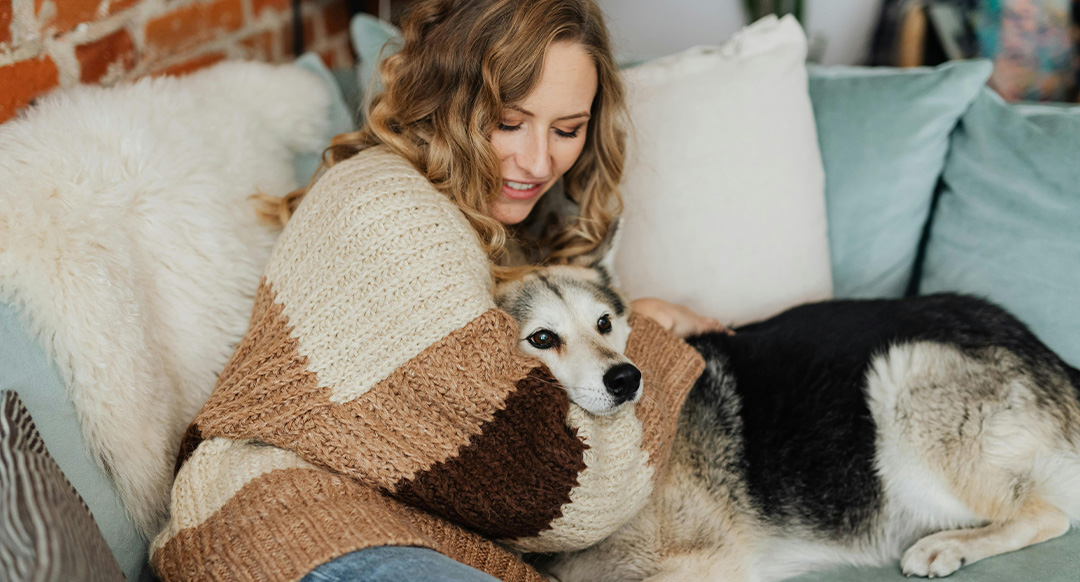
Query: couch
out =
(908, 182)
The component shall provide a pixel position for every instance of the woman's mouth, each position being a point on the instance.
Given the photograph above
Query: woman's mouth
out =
(521, 190)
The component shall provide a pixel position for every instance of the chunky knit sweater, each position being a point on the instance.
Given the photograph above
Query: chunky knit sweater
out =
(379, 398)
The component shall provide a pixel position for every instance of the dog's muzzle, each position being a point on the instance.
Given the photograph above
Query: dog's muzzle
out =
(623, 382)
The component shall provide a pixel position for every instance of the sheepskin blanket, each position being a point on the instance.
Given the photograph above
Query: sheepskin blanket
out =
(129, 245)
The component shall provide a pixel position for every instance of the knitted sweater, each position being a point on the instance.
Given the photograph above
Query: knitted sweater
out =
(379, 398)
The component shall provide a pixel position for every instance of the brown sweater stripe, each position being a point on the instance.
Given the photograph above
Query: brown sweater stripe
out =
(420, 415)
(282, 525)
(529, 458)
(285, 523)
(468, 548)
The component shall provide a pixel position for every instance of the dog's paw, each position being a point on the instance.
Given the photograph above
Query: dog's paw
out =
(933, 557)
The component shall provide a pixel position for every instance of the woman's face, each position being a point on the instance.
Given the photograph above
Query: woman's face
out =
(540, 138)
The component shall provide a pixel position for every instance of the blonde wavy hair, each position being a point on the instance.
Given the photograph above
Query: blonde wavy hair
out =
(462, 62)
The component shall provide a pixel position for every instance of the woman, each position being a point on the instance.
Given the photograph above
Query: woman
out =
(568, 124)
(378, 398)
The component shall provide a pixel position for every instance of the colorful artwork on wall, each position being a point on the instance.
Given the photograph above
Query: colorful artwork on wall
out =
(1031, 43)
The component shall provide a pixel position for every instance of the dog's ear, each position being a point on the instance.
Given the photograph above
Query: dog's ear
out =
(602, 257)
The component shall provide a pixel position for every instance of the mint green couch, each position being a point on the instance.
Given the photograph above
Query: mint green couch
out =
(932, 184)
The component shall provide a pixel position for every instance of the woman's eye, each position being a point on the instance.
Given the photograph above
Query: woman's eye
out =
(604, 324)
(507, 127)
(543, 340)
(567, 134)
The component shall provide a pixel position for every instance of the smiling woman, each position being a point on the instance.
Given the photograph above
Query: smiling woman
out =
(495, 102)
(539, 139)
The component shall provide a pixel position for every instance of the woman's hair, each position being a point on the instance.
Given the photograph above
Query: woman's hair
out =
(461, 63)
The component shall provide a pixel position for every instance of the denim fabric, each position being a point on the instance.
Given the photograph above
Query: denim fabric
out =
(395, 564)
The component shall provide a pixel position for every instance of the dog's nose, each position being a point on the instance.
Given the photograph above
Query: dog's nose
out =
(622, 381)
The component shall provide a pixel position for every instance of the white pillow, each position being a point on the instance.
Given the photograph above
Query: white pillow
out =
(724, 186)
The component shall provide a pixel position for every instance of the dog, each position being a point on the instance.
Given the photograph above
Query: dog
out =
(576, 322)
(938, 430)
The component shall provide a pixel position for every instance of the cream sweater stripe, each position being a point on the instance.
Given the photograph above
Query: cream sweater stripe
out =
(375, 266)
(213, 474)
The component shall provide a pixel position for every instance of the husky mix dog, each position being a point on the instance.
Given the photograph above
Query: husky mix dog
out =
(936, 429)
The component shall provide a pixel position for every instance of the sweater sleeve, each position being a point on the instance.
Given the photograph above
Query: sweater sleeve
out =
(375, 355)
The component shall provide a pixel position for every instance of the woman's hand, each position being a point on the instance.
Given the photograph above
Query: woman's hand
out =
(680, 320)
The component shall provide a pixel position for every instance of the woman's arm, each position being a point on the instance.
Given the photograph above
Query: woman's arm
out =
(680, 320)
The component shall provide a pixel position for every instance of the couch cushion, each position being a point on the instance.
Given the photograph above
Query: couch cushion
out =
(372, 40)
(340, 120)
(25, 369)
(1051, 561)
(884, 134)
(723, 185)
(1007, 225)
(46, 531)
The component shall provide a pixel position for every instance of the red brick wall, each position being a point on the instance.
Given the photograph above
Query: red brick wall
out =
(45, 44)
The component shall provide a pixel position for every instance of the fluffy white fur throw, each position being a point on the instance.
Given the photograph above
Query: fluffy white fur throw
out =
(128, 242)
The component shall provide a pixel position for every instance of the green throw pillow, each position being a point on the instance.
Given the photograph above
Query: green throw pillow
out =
(1007, 226)
(341, 120)
(884, 135)
(370, 37)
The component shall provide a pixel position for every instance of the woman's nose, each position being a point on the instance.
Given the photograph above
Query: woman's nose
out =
(536, 159)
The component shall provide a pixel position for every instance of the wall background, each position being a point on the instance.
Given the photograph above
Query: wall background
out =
(649, 28)
(46, 44)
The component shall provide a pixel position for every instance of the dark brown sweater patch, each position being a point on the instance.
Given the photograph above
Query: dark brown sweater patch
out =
(512, 479)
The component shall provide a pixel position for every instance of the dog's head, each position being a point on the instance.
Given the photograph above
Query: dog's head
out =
(575, 321)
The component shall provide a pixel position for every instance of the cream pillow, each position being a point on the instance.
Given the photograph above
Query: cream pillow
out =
(724, 186)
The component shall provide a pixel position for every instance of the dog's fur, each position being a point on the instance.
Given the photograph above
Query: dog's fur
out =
(837, 432)
(569, 302)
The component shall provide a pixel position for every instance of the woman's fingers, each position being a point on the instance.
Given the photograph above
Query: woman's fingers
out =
(680, 320)
(713, 324)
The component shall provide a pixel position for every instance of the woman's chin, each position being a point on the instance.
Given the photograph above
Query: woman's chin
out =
(509, 212)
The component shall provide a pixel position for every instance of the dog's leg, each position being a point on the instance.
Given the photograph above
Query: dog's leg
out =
(945, 552)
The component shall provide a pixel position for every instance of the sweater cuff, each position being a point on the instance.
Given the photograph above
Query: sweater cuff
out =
(669, 368)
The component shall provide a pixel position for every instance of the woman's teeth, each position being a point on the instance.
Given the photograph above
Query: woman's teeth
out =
(520, 185)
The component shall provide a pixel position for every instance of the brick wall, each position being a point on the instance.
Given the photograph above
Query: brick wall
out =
(45, 44)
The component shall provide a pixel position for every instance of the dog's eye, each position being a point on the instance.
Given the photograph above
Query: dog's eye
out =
(543, 340)
(604, 324)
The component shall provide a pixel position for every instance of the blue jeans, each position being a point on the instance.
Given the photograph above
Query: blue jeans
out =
(395, 564)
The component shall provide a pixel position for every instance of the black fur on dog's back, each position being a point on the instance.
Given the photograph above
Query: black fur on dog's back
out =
(808, 438)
